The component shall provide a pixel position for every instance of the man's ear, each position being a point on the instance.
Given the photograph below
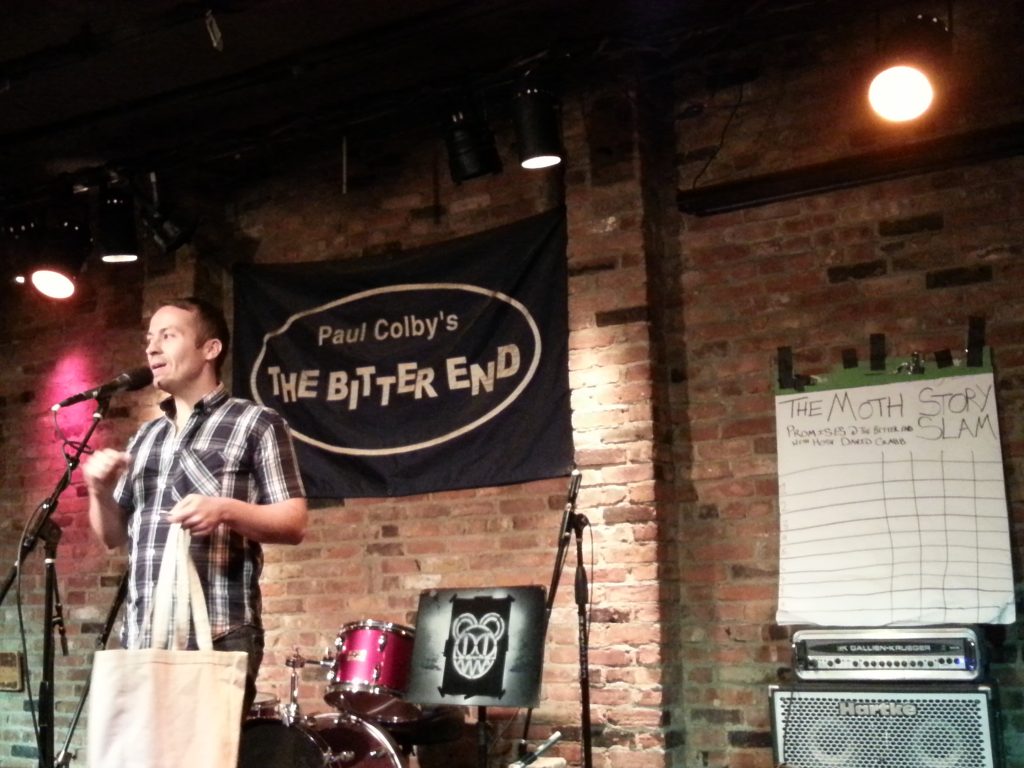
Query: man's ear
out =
(211, 348)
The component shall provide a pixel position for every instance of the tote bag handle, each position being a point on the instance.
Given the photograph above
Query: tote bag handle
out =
(178, 589)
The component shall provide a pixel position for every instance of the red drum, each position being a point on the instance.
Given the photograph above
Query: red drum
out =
(370, 672)
(322, 741)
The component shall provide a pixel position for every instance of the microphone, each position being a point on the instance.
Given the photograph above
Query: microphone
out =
(574, 485)
(136, 378)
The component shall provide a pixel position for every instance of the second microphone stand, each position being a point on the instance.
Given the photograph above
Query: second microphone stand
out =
(574, 523)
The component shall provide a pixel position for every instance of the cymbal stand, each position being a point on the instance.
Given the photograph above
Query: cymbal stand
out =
(291, 713)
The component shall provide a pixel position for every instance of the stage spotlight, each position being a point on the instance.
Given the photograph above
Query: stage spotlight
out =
(536, 116)
(115, 223)
(470, 143)
(56, 271)
(909, 77)
(66, 248)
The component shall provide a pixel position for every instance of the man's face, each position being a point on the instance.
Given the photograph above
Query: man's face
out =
(173, 351)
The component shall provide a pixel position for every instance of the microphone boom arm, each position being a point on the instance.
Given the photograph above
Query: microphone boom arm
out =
(137, 378)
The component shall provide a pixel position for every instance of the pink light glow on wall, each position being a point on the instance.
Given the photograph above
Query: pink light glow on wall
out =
(73, 372)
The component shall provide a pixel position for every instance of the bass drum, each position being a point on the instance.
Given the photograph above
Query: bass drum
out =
(322, 741)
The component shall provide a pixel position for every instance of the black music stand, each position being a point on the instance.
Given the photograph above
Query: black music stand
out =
(479, 648)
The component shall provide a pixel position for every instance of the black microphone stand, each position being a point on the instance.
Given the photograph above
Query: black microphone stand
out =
(572, 523)
(42, 528)
(578, 523)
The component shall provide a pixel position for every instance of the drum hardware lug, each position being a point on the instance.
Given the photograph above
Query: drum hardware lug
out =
(376, 673)
(327, 662)
(291, 713)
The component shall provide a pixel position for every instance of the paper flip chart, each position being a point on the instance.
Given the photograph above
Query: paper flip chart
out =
(892, 501)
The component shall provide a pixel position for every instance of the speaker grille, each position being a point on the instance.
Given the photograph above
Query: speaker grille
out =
(883, 727)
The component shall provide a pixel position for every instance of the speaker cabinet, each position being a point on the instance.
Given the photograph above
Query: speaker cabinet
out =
(896, 726)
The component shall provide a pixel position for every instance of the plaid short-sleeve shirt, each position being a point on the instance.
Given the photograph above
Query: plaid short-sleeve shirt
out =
(229, 447)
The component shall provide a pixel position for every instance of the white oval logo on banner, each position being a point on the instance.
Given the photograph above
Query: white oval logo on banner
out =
(481, 349)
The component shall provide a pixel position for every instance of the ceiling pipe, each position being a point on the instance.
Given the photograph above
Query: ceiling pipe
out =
(845, 173)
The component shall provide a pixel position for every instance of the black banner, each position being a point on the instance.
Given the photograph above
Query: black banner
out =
(440, 368)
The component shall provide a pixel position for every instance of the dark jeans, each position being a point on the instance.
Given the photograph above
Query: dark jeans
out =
(250, 640)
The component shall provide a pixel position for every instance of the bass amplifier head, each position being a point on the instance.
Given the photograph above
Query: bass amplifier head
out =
(909, 654)
(896, 726)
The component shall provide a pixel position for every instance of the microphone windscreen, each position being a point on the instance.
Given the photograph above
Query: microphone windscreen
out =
(137, 378)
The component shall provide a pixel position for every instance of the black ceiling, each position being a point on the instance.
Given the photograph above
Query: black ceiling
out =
(96, 84)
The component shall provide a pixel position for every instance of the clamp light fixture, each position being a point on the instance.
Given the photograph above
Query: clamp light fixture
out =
(115, 223)
(470, 143)
(536, 114)
(168, 233)
(67, 248)
(49, 257)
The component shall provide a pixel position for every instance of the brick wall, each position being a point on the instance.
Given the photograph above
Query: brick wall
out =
(912, 259)
(674, 321)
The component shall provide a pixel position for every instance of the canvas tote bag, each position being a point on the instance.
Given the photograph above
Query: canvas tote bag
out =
(168, 707)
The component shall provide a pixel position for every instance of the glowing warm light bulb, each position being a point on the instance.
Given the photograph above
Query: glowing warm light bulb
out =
(541, 161)
(53, 284)
(900, 93)
(119, 258)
